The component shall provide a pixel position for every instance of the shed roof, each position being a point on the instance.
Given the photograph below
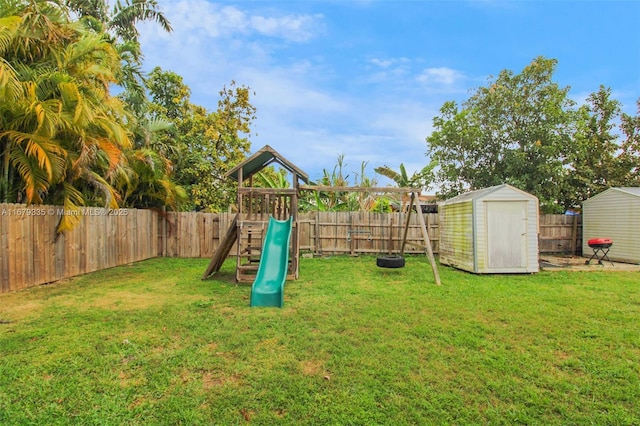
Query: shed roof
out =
(630, 190)
(261, 159)
(633, 191)
(481, 193)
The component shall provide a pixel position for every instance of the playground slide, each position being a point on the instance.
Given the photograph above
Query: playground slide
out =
(268, 287)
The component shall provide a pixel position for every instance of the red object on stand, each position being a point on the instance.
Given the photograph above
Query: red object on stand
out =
(601, 247)
(600, 242)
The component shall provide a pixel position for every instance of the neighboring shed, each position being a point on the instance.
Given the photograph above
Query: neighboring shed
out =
(492, 230)
(615, 214)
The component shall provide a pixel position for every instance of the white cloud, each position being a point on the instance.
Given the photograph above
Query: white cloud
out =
(297, 28)
(211, 20)
(382, 63)
(440, 75)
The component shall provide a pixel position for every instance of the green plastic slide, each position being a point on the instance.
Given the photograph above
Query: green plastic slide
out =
(268, 287)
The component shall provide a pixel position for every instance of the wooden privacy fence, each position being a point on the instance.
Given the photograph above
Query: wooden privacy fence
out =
(198, 234)
(560, 233)
(364, 232)
(31, 255)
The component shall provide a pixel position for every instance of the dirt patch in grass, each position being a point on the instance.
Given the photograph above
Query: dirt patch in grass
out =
(314, 367)
(126, 381)
(212, 380)
(10, 312)
(125, 300)
(268, 344)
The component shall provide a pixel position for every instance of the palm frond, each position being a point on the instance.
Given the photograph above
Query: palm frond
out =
(72, 202)
(48, 155)
(34, 178)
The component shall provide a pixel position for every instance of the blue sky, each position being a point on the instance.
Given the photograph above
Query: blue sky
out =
(364, 78)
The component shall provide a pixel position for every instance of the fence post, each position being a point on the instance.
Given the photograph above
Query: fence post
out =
(574, 235)
(163, 217)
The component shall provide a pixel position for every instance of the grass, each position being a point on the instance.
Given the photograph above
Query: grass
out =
(150, 343)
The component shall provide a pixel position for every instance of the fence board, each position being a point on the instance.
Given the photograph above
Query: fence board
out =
(59, 250)
(39, 252)
(169, 242)
(18, 254)
(4, 251)
(560, 234)
(139, 229)
(108, 247)
(206, 231)
(50, 245)
(95, 232)
(70, 252)
(144, 230)
(161, 232)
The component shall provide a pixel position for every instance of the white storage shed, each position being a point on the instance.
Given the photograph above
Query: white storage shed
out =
(491, 230)
(615, 214)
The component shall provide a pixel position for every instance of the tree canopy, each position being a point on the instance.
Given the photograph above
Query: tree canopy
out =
(207, 144)
(522, 129)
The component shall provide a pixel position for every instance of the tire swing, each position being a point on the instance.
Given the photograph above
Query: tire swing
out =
(392, 261)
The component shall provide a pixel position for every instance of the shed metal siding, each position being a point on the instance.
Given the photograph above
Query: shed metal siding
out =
(456, 236)
(533, 235)
(473, 241)
(615, 214)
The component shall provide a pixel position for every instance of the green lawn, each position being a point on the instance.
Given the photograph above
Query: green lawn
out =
(151, 343)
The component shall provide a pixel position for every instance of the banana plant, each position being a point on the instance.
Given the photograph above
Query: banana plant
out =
(421, 179)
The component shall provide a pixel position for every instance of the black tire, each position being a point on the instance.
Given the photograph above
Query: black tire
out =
(390, 262)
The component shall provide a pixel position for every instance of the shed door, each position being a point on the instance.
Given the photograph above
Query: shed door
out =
(506, 234)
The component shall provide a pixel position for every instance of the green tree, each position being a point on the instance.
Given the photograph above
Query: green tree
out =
(517, 130)
(630, 156)
(148, 181)
(596, 164)
(421, 179)
(207, 144)
(328, 200)
(365, 201)
(269, 177)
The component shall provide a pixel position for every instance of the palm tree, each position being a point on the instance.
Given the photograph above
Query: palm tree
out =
(149, 184)
(30, 156)
(127, 14)
(342, 200)
(421, 179)
(119, 24)
(61, 133)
